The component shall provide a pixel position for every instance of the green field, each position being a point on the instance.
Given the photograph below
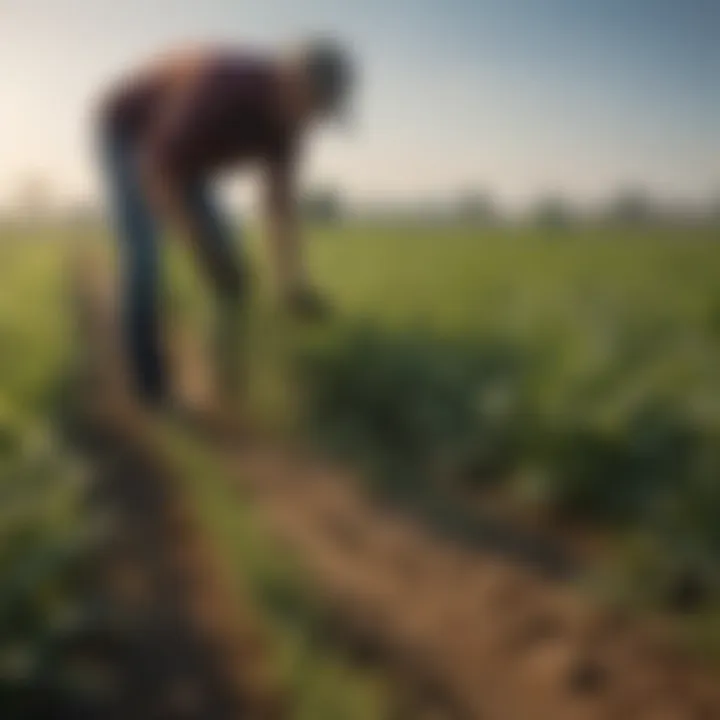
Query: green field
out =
(576, 370)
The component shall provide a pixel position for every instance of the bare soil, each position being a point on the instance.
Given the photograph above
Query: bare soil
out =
(480, 637)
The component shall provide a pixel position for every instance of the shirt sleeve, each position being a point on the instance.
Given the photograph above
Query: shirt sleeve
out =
(282, 166)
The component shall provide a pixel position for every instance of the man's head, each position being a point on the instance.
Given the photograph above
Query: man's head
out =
(323, 77)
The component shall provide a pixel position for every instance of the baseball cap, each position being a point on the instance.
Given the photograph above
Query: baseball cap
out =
(332, 75)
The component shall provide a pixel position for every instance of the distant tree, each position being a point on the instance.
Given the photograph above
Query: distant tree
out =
(324, 205)
(476, 208)
(714, 213)
(428, 211)
(552, 212)
(631, 206)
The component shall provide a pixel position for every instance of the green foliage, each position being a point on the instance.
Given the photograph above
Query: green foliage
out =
(610, 345)
(410, 406)
(41, 544)
(582, 374)
(41, 538)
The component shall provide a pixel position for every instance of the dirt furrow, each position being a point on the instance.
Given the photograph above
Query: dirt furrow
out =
(175, 640)
(489, 640)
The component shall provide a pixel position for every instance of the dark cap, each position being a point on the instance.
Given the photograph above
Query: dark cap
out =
(331, 74)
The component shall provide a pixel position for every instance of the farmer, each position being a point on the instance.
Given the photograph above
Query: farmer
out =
(167, 132)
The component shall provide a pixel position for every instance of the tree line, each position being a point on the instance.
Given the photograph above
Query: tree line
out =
(36, 201)
(627, 207)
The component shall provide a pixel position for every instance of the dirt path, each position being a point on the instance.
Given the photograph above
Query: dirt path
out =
(475, 636)
(174, 641)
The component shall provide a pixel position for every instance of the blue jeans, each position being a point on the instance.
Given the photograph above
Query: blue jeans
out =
(137, 230)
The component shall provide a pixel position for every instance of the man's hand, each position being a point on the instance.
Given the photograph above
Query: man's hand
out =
(307, 304)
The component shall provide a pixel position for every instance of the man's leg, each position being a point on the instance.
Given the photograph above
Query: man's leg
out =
(140, 272)
(230, 302)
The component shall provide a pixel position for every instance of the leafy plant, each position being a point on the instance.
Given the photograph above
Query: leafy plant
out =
(41, 544)
(411, 407)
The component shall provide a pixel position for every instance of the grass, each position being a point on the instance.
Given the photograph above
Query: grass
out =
(42, 524)
(607, 339)
(605, 402)
(42, 535)
(611, 398)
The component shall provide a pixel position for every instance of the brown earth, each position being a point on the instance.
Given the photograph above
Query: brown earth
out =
(483, 637)
(175, 643)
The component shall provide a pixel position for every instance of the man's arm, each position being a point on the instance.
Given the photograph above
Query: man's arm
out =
(284, 231)
(283, 228)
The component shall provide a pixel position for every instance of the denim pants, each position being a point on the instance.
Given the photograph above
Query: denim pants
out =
(138, 234)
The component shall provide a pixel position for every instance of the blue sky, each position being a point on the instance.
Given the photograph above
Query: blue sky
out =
(521, 97)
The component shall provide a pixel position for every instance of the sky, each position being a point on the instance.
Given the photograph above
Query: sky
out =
(520, 98)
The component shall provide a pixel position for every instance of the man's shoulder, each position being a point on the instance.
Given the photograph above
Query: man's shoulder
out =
(242, 64)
